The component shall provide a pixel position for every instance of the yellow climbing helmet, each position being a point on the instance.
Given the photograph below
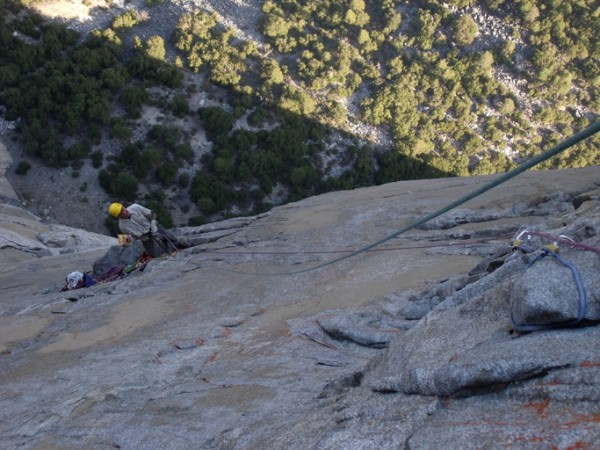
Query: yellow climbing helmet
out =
(115, 209)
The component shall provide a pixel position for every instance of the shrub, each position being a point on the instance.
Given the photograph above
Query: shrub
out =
(183, 180)
(465, 30)
(184, 151)
(180, 106)
(207, 205)
(216, 121)
(132, 100)
(104, 179)
(197, 221)
(112, 226)
(163, 216)
(119, 130)
(22, 168)
(166, 174)
(126, 20)
(155, 48)
(124, 185)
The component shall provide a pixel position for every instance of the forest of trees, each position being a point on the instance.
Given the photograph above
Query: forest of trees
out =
(426, 73)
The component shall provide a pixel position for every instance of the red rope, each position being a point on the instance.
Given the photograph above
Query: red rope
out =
(306, 252)
(563, 241)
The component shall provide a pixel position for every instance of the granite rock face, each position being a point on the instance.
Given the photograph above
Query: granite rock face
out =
(236, 343)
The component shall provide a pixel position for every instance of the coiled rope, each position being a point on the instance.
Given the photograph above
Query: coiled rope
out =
(562, 146)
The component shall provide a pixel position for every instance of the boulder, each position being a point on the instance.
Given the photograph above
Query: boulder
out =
(59, 236)
(469, 341)
(555, 290)
(117, 257)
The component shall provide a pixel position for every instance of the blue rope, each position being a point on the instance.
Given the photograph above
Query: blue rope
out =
(580, 290)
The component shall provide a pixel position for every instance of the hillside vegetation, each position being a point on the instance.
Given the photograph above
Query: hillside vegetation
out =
(335, 94)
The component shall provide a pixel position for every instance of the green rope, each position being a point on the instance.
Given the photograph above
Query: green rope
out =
(567, 143)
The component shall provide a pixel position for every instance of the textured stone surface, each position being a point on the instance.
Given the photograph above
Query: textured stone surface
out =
(220, 347)
(495, 362)
(494, 422)
(7, 193)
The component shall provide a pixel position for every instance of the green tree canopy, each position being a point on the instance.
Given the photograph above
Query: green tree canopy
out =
(465, 30)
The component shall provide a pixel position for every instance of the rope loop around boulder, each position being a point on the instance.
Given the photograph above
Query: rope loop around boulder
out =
(580, 290)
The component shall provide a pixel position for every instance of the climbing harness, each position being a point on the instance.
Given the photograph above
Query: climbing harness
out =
(160, 239)
(140, 264)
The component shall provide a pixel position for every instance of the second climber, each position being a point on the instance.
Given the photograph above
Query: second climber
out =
(140, 223)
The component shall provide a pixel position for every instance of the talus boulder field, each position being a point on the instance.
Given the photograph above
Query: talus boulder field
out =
(411, 344)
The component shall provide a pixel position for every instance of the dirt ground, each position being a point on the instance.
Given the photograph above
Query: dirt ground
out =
(74, 197)
(66, 196)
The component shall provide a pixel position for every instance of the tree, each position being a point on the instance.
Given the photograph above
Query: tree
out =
(226, 68)
(460, 3)
(184, 151)
(507, 52)
(22, 168)
(465, 30)
(119, 130)
(126, 20)
(271, 72)
(132, 100)
(393, 166)
(154, 71)
(9, 74)
(529, 11)
(216, 121)
(166, 174)
(209, 193)
(96, 158)
(165, 135)
(224, 168)
(426, 27)
(129, 156)
(124, 185)
(546, 60)
(275, 26)
(155, 48)
(150, 157)
(296, 101)
(180, 106)
(115, 77)
(104, 179)
(304, 177)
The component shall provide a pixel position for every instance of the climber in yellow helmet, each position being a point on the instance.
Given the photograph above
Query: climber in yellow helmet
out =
(140, 223)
